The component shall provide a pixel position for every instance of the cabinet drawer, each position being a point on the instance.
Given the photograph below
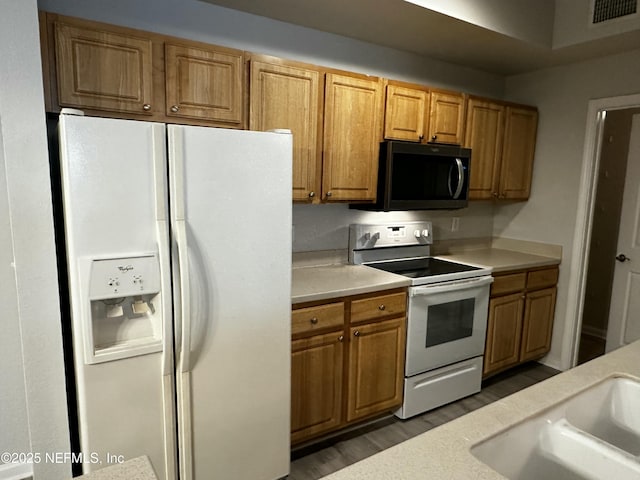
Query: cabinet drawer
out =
(315, 318)
(512, 282)
(378, 307)
(542, 278)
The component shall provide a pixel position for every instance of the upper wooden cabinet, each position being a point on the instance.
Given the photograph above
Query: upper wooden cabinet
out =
(337, 118)
(520, 129)
(290, 95)
(204, 83)
(406, 112)
(352, 134)
(336, 122)
(484, 135)
(446, 117)
(502, 139)
(103, 70)
(415, 113)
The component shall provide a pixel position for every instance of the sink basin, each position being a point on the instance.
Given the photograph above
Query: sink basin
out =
(593, 435)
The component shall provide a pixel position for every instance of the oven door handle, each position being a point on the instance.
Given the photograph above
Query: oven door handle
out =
(450, 286)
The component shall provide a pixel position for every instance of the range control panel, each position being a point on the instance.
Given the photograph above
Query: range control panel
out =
(124, 277)
(370, 236)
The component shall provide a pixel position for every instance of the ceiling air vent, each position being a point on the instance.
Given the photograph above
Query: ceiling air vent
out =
(604, 10)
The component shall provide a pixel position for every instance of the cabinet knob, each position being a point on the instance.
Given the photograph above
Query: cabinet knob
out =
(175, 108)
(356, 333)
(313, 321)
(341, 338)
(146, 107)
(312, 194)
(420, 137)
(381, 307)
(328, 194)
(434, 137)
(495, 194)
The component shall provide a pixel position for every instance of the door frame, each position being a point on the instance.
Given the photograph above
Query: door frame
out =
(584, 222)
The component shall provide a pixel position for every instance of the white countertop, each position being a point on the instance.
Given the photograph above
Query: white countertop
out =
(444, 452)
(138, 468)
(311, 283)
(330, 281)
(501, 260)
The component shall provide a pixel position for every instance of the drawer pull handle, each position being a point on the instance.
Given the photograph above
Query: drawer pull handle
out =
(341, 338)
(356, 333)
(313, 321)
(381, 307)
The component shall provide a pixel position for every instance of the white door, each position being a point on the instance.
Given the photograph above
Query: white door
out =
(113, 177)
(624, 314)
(231, 218)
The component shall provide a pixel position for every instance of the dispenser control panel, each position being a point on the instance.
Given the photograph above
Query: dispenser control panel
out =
(124, 277)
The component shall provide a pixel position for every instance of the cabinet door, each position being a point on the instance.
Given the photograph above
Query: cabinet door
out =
(538, 324)
(352, 134)
(204, 83)
(287, 96)
(446, 117)
(405, 113)
(504, 330)
(483, 135)
(103, 70)
(517, 153)
(376, 368)
(316, 385)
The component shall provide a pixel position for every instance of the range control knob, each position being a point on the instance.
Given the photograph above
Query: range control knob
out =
(425, 233)
(417, 233)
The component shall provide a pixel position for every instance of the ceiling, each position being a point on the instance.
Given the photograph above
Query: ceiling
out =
(409, 27)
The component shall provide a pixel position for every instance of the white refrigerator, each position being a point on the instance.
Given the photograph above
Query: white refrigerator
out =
(178, 245)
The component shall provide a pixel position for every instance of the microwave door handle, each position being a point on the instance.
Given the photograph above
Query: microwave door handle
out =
(460, 179)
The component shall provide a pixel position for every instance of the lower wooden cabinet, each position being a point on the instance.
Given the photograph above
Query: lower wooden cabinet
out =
(538, 323)
(347, 372)
(316, 384)
(376, 364)
(520, 323)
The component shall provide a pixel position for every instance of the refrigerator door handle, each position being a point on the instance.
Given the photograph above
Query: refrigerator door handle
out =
(184, 316)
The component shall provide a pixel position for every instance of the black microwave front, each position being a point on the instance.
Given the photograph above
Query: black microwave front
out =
(415, 176)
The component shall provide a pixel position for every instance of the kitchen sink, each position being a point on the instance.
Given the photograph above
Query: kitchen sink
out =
(593, 435)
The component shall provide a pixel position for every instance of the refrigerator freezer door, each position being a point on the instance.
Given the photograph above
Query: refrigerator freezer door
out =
(114, 198)
(231, 215)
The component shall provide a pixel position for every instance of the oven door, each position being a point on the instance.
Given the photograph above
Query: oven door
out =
(447, 322)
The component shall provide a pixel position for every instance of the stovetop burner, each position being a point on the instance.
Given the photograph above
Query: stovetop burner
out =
(422, 267)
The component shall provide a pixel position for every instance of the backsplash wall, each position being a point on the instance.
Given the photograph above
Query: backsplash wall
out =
(326, 227)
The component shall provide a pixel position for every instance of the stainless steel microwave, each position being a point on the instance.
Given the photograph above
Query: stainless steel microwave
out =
(414, 176)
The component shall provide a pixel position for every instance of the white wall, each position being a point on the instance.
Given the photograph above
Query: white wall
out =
(573, 24)
(326, 227)
(221, 26)
(14, 423)
(529, 21)
(28, 269)
(562, 95)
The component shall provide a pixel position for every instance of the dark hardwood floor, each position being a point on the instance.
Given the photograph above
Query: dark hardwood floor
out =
(328, 456)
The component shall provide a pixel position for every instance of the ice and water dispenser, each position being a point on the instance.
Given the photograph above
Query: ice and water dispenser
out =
(124, 300)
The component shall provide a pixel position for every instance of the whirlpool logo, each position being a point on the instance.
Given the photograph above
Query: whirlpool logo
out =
(125, 268)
